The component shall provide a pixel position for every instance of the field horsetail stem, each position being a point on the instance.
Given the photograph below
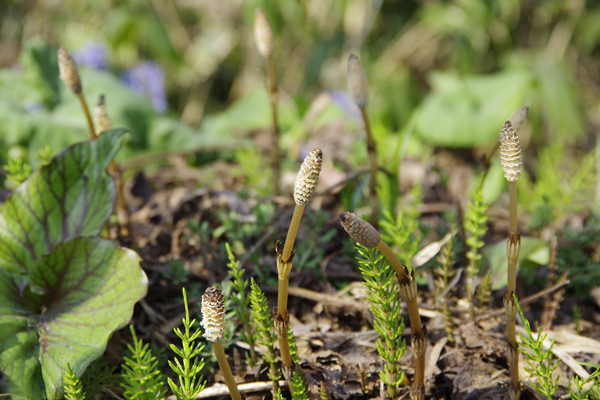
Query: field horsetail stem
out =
(213, 321)
(359, 89)
(263, 35)
(512, 164)
(70, 76)
(304, 189)
(365, 234)
(103, 124)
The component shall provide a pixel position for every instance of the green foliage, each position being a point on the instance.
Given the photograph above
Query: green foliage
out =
(563, 185)
(176, 272)
(404, 231)
(242, 303)
(382, 292)
(293, 346)
(538, 360)
(55, 272)
(44, 155)
(261, 315)
(475, 226)
(73, 386)
(142, 378)
(238, 227)
(578, 389)
(310, 252)
(189, 382)
(99, 376)
(298, 387)
(17, 171)
(251, 168)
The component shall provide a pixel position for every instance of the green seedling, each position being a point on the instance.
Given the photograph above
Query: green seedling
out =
(538, 360)
(475, 227)
(242, 302)
(382, 293)
(445, 273)
(189, 384)
(141, 377)
(366, 235)
(73, 386)
(261, 316)
(55, 271)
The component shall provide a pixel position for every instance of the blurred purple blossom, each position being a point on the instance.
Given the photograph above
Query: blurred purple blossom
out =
(92, 54)
(344, 101)
(147, 79)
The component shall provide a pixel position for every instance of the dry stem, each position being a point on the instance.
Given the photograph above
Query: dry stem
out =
(224, 365)
(273, 96)
(514, 244)
(372, 153)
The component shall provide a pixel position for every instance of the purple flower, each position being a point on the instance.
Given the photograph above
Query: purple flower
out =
(92, 54)
(344, 101)
(147, 79)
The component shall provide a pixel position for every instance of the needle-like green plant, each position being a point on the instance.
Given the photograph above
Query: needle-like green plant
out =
(73, 386)
(366, 235)
(142, 378)
(17, 170)
(189, 367)
(298, 388)
(382, 293)
(444, 272)
(242, 300)
(538, 360)
(261, 315)
(475, 227)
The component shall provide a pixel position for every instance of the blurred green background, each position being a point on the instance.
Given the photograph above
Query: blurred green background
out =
(186, 75)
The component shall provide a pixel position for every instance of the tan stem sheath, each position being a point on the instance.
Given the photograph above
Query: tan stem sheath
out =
(282, 296)
(224, 365)
(88, 116)
(281, 326)
(512, 191)
(273, 98)
(292, 231)
(372, 154)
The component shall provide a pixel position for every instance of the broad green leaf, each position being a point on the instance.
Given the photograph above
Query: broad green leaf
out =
(72, 196)
(465, 111)
(88, 289)
(532, 249)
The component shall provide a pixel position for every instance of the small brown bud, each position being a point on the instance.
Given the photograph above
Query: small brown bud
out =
(213, 314)
(510, 152)
(419, 342)
(308, 177)
(513, 247)
(68, 71)
(101, 120)
(357, 81)
(408, 287)
(360, 230)
(263, 33)
(518, 118)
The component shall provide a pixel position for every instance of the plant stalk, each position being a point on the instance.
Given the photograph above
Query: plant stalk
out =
(120, 203)
(224, 365)
(88, 116)
(273, 97)
(291, 235)
(419, 332)
(372, 154)
(513, 250)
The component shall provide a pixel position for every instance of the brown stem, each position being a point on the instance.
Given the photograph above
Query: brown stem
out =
(273, 96)
(372, 154)
(224, 365)
(88, 116)
(513, 248)
(120, 203)
(282, 295)
(281, 326)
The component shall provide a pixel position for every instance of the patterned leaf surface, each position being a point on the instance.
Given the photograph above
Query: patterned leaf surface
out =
(70, 197)
(89, 289)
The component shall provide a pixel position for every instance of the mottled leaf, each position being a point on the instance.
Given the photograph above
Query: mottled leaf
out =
(72, 196)
(88, 287)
